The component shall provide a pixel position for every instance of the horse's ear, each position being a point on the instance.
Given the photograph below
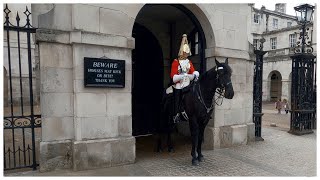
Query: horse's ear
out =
(217, 62)
(226, 61)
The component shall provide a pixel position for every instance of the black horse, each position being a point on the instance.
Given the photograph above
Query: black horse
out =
(198, 105)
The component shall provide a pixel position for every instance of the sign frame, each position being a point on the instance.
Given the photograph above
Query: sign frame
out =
(90, 78)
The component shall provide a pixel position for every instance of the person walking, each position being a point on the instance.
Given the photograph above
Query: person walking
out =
(286, 105)
(278, 106)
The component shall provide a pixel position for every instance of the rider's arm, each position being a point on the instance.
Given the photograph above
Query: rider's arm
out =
(174, 68)
(174, 71)
(195, 74)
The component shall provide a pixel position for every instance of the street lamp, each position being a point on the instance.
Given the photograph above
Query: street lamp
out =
(303, 107)
(304, 17)
(304, 13)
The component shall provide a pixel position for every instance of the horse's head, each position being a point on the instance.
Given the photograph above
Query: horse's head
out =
(224, 78)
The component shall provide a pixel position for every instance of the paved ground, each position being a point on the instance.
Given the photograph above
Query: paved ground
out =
(280, 154)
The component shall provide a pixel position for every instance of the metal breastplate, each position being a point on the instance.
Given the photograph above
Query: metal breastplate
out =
(184, 66)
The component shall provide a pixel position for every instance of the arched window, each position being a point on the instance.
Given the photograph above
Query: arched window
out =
(194, 42)
(274, 77)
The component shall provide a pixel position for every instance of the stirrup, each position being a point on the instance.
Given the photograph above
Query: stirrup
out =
(176, 118)
(184, 114)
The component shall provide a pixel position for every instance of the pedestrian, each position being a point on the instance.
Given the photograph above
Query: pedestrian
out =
(286, 105)
(278, 106)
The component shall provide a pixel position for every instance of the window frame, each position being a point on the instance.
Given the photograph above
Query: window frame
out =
(256, 17)
(275, 25)
(193, 42)
(292, 40)
(273, 43)
(255, 43)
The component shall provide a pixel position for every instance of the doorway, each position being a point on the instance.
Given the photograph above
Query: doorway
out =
(275, 86)
(147, 81)
(158, 30)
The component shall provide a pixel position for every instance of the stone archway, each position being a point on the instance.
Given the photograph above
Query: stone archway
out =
(275, 87)
(168, 23)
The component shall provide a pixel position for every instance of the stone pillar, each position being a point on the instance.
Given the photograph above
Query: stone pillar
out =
(57, 110)
(102, 116)
(231, 123)
(285, 89)
(82, 127)
(266, 90)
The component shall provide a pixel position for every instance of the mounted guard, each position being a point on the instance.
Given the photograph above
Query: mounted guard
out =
(182, 73)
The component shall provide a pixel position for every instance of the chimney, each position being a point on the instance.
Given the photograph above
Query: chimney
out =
(281, 7)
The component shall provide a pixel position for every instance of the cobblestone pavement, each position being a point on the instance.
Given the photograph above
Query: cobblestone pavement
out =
(280, 154)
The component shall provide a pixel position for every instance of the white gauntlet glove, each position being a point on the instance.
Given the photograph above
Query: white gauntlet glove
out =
(191, 76)
(177, 78)
(196, 74)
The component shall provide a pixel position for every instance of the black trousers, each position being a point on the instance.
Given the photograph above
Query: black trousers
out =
(177, 100)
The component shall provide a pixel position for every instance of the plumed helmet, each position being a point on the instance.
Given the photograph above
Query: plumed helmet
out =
(184, 47)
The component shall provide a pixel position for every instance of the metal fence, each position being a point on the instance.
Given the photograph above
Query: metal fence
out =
(21, 121)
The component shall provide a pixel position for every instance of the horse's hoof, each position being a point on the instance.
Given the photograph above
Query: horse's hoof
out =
(171, 150)
(195, 162)
(200, 158)
(158, 150)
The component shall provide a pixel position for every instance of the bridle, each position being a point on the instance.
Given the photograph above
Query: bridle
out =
(219, 95)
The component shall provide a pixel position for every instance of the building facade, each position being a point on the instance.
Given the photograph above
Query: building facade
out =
(281, 33)
(89, 127)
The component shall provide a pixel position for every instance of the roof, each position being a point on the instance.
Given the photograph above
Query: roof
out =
(275, 13)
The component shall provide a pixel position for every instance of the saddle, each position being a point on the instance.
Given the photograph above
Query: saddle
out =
(186, 89)
(169, 94)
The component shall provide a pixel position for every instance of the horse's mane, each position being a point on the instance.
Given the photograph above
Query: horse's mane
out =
(205, 74)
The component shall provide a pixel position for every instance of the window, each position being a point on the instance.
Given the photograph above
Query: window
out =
(255, 43)
(194, 42)
(289, 24)
(292, 40)
(275, 23)
(256, 18)
(273, 43)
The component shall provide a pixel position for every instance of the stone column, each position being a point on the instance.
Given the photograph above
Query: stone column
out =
(56, 91)
(102, 116)
(285, 89)
(83, 127)
(231, 123)
(266, 90)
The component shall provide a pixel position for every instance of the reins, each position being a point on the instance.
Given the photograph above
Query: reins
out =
(218, 91)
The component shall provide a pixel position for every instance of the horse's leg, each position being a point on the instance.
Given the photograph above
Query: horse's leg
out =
(200, 140)
(159, 143)
(170, 145)
(194, 130)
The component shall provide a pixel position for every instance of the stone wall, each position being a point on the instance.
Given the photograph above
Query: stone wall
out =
(92, 127)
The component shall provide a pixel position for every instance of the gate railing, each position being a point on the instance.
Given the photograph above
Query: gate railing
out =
(257, 91)
(20, 121)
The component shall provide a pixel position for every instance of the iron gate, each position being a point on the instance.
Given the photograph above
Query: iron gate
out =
(20, 119)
